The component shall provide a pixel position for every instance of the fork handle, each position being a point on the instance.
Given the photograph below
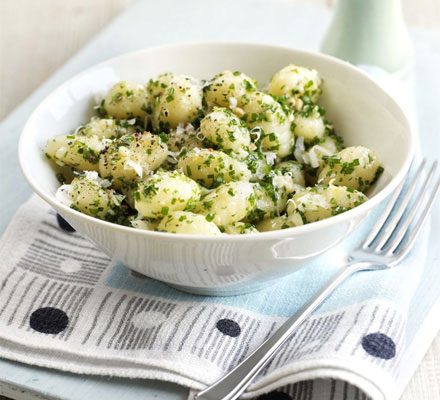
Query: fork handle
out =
(235, 382)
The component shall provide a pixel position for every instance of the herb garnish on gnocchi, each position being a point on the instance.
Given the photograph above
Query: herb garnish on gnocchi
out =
(212, 157)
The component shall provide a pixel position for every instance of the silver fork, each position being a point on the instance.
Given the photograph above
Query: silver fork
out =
(388, 243)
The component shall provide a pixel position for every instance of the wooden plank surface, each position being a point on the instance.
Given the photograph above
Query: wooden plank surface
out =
(36, 37)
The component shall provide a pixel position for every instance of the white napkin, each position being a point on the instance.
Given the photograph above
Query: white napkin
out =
(66, 305)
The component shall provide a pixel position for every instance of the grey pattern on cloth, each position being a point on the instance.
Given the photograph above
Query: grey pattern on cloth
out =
(47, 272)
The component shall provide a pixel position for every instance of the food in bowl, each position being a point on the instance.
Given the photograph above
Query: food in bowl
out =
(361, 111)
(213, 157)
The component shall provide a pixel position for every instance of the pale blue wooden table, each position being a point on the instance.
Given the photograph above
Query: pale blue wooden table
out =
(149, 23)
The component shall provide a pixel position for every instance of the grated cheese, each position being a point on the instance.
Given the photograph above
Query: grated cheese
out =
(136, 166)
(64, 195)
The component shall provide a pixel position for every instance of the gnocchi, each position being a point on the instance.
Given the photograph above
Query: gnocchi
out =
(211, 168)
(228, 203)
(309, 125)
(184, 137)
(106, 128)
(289, 174)
(355, 167)
(126, 100)
(91, 195)
(320, 202)
(179, 103)
(188, 222)
(156, 87)
(77, 151)
(299, 85)
(273, 224)
(215, 157)
(131, 157)
(226, 131)
(165, 192)
(315, 154)
(240, 228)
(228, 89)
(270, 201)
(266, 116)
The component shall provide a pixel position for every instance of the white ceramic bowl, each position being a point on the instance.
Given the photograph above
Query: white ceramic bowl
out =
(361, 111)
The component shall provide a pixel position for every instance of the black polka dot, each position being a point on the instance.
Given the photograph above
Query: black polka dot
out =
(49, 320)
(64, 225)
(275, 396)
(379, 345)
(228, 327)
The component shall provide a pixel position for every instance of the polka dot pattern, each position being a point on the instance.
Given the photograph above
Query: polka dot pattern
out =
(379, 345)
(64, 225)
(228, 327)
(49, 320)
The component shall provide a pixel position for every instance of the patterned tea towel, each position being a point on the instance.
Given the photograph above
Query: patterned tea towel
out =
(66, 305)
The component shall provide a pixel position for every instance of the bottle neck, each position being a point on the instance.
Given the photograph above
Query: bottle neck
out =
(370, 32)
(373, 13)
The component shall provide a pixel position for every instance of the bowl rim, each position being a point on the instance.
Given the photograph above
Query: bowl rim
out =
(277, 234)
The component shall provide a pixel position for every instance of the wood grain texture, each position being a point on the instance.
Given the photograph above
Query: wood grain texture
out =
(36, 37)
(425, 383)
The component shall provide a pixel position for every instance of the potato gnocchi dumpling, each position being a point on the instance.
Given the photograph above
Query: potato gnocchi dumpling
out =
(314, 155)
(165, 192)
(90, 195)
(270, 201)
(355, 167)
(212, 168)
(107, 128)
(77, 151)
(126, 100)
(144, 223)
(228, 203)
(297, 84)
(226, 131)
(269, 122)
(156, 87)
(289, 174)
(183, 138)
(326, 146)
(180, 103)
(260, 164)
(309, 125)
(188, 222)
(240, 228)
(212, 157)
(132, 157)
(320, 202)
(273, 224)
(228, 89)
(282, 222)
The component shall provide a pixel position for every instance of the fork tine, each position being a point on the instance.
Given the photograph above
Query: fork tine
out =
(384, 216)
(400, 231)
(407, 244)
(375, 231)
(391, 223)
